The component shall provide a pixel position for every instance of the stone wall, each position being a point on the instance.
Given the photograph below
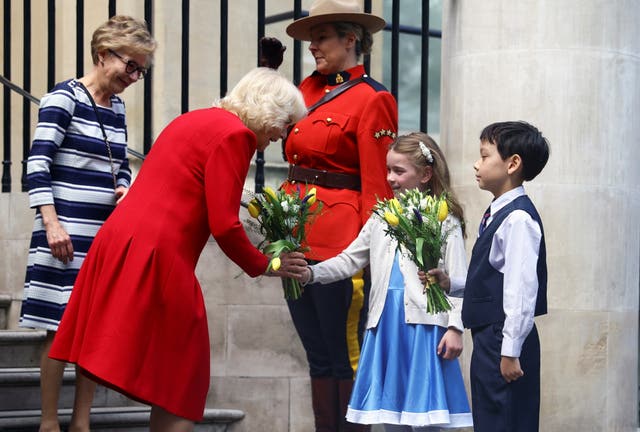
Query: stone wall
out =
(573, 69)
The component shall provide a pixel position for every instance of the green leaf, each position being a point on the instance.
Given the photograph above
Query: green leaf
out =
(419, 243)
(279, 246)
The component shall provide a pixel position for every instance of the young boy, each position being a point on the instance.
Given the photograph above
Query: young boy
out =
(507, 283)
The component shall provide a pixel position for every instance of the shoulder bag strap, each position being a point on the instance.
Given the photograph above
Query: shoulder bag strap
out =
(104, 133)
(324, 99)
(336, 92)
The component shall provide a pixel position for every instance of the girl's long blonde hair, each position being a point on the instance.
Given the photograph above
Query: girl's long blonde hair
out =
(440, 181)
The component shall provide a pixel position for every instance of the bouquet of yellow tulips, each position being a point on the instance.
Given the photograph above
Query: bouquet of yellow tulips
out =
(282, 219)
(414, 219)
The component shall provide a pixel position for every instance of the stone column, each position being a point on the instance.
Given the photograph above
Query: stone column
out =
(572, 68)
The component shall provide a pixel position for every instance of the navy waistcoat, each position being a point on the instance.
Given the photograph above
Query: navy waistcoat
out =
(482, 303)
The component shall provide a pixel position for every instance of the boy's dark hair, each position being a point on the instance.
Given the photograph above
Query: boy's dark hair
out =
(523, 139)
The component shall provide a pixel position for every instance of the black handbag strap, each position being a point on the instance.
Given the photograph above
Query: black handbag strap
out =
(104, 133)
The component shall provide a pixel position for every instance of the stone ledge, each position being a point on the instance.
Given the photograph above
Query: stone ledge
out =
(119, 418)
(29, 376)
(21, 348)
(16, 337)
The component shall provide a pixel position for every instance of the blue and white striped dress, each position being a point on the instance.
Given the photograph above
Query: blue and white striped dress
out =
(69, 167)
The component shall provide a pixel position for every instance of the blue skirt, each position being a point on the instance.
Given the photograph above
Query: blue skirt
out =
(400, 378)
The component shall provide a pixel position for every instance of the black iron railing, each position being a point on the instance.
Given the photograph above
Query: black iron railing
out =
(10, 30)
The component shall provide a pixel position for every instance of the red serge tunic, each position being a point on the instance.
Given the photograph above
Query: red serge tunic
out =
(351, 135)
(136, 320)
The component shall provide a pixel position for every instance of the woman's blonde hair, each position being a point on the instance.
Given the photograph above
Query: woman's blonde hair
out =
(265, 99)
(440, 182)
(123, 32)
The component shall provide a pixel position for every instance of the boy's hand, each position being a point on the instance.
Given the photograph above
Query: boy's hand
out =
(510, 368)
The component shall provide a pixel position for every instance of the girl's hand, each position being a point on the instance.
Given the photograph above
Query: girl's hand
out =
(450, 345)
(422, 276)
(120, 193)
(306, 276)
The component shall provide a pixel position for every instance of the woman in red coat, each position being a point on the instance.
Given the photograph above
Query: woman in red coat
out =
(136, 320)
(340, 148)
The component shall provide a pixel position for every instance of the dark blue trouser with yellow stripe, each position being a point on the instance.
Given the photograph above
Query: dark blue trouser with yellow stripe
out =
(330, 321)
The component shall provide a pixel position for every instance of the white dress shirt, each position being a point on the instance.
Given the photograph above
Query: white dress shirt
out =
(514, 253)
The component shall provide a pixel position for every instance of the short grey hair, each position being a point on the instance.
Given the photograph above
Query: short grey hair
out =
(123, 32)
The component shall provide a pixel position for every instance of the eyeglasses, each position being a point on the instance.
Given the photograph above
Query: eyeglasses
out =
(131, 66)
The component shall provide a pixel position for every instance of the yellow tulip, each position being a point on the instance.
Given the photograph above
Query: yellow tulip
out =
(395, 205)
(270, 192)
(276, 263)
(443, 210)
(312, 196)
(391, 218)
(254, 209)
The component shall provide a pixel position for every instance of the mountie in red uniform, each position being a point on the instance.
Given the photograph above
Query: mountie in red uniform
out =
(348, 135)
(340, 148)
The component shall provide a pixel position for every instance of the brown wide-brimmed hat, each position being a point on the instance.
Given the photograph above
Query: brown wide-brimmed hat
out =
(327, 11)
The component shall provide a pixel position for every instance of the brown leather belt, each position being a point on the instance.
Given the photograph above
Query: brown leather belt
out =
(323, 178)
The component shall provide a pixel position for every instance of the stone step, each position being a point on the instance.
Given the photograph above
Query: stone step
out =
(112, 419)
(21, 348)
(20, 389)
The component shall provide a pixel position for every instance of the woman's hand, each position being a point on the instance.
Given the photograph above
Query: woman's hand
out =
(450, 345)
(120, 193)
(292, 265)
(57, 237)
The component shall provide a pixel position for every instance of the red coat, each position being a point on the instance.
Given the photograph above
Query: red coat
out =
(349, 134)
(136, 319)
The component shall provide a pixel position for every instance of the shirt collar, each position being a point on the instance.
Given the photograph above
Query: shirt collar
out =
(342, 76)
(506, 198)
(338, 78)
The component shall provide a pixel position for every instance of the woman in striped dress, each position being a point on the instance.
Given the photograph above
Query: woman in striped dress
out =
(77, 172)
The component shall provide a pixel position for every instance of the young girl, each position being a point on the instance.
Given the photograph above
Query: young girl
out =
(408, 377)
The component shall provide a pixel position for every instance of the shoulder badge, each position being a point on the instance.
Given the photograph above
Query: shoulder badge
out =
(384, 132)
